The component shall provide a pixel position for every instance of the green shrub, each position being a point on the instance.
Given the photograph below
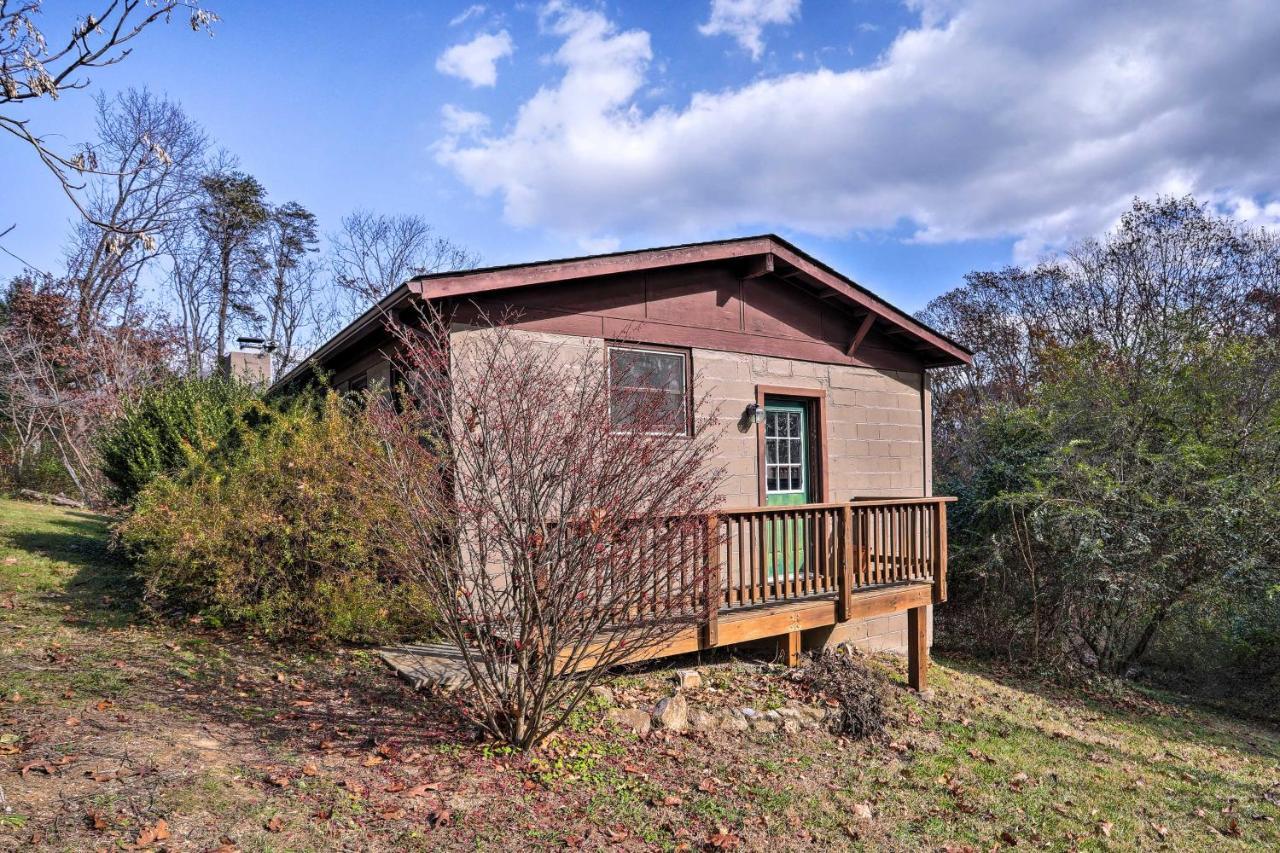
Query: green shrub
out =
(285, 529)
(170, 428)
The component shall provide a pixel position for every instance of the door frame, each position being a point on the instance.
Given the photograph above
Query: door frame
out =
(815, 401)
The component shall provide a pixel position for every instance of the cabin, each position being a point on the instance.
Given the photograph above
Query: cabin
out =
(821, 389)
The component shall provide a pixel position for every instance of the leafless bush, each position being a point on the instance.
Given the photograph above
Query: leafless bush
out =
(857, 690)
(559, 530)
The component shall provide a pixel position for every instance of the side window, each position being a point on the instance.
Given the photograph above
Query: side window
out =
(649, 386)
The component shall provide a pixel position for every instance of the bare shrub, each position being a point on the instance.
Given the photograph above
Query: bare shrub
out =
(857, 690)
(558, 530)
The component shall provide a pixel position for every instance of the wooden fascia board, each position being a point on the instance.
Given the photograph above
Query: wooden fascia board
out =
(562, 271)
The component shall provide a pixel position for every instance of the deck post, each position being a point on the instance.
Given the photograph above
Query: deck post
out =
(845, 581)
(917, 647)
(940, 553)
(712, 582)
(792, 646)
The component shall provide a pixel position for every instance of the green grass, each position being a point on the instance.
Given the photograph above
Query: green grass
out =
(993, 757)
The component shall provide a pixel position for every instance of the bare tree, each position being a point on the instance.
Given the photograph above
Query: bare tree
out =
(560, 529)
(193, 290)
(154, 155)
(375, 253)
(30, 70)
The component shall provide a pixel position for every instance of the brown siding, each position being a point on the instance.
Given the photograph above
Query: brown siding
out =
(707, 306)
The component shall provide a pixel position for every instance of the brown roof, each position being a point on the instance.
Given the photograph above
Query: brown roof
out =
(768, 252)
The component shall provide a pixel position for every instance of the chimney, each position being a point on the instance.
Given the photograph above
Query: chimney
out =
(250, 364)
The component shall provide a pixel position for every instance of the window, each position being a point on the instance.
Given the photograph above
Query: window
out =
(784, 451)
(651, 387)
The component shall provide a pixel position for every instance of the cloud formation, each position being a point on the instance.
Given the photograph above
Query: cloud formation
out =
(1038, 122)
(476, 61)
(745, 20)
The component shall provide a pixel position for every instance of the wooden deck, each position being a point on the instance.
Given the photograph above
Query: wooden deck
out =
(790, 569)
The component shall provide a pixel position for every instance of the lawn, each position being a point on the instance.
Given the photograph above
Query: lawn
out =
(115, 730)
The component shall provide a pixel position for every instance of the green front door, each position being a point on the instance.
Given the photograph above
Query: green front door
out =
(786, 481)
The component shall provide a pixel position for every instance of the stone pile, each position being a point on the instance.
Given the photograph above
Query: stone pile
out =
(676, 714)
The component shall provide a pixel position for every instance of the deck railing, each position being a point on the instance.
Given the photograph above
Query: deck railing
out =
(775, 554)
(751, 556)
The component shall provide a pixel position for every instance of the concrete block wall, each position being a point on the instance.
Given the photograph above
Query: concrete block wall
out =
(876, 430)
(875, 423)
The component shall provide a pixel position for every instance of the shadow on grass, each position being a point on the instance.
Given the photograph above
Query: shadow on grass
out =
(1170, 717)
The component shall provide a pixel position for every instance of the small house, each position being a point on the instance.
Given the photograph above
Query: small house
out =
(822, 388)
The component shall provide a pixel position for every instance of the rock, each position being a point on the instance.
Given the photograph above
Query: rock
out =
(631, 720)
(816, 715)
(789, 713)
(672, 713)
(749, 713)
(731, 722)
(703, 721)
(926, 695)
(602, 695)
(791, 727)
(764, 727)
(688, 679)
(773, 716)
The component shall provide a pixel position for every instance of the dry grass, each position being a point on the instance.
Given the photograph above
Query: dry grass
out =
(235, 744)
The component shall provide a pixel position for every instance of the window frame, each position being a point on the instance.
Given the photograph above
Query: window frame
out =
(687, 396)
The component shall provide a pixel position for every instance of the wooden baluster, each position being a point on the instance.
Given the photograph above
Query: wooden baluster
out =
(940, 553)
(712, 580)
(846, 563)
(762, 560)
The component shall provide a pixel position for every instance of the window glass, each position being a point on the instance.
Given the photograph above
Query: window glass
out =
(649, 387)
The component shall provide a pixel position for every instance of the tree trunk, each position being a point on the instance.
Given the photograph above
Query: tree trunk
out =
(224, 302)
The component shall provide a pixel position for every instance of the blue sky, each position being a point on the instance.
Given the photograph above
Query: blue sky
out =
(904, 143)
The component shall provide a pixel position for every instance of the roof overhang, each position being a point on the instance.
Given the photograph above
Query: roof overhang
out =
(756, 256)
(762, 255)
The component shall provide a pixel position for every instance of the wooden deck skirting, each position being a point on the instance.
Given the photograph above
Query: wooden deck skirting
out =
(788, 569)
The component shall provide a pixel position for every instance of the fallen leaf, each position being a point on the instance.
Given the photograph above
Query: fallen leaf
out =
(72, 721)
(159, 831)
(1160, 829)
(1009, 838)
(391, 814)
(1233, 828)
(309, 769)
(275, 824)
(373, 761)
(723, 839)
(97, 820)
(862, 811)
(421, 790)
(394, 787)
(1105, 827)
(104, 704)
(444, 817)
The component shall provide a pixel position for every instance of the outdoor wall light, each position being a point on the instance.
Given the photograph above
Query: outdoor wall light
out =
(755, 413)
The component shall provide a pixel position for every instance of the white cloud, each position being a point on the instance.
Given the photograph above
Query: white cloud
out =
(1036, 122)
(476, 61)
(467, 14)
(459, 122)
(745, 20)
